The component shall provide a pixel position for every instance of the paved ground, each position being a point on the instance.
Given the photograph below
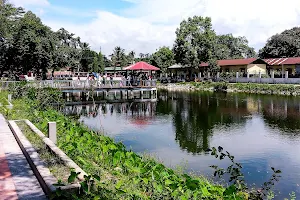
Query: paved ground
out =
(17, 181)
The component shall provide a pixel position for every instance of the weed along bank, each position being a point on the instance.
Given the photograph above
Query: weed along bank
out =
(113, 165)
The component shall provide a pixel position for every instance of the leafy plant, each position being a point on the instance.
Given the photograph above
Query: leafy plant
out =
(236, 177)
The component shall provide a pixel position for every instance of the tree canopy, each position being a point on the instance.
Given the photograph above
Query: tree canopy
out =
(26, 44)
(163, 58)
(285, 44)
(197, 42)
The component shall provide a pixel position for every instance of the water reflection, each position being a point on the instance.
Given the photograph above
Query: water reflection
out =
(260, 130)
(142, 110)
(196, 115)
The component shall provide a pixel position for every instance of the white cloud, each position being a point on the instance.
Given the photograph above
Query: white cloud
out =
(109, 30)
(149, 24)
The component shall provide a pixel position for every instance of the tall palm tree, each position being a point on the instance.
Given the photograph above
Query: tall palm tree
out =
(118, 57)
(131, 56)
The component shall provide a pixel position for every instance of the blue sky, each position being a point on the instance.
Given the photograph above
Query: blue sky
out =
(78, 11)
(146, 25)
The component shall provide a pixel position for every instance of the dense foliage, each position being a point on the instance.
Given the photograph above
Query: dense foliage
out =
(26, 44)
(197, 42)
(285, 44)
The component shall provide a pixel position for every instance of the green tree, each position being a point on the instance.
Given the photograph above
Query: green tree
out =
(118, 57)
(107, 62)
(68, 51)
(230, 47)
(145, 57)
(100, 62)
(131, 57)
(9, 17)
(163, 58)
(285, 44)
(195, 38)
(32, 45)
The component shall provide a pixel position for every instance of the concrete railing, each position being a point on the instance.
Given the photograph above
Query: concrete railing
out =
(70, 84)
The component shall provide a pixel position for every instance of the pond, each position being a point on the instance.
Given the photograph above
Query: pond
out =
(261, 131)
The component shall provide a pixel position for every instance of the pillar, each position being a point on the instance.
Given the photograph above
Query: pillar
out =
(9, 97)
(52, 131)
(272, 74)
(218, 75)
(259, 74)
(237, 75)
(199, 75)
(248, 75)
(286, 74)
(208, 74)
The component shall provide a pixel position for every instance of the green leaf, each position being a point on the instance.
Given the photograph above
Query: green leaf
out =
(72, 177)
(230, 190)
(119, 184)
(205, 192)
(146, 180)
(168, 182)
(84, 186)
(96, 177)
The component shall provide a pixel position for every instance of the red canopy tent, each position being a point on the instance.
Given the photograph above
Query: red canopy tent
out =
(142, 66)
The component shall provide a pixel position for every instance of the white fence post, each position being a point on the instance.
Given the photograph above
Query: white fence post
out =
(52, 132)
(9, 97)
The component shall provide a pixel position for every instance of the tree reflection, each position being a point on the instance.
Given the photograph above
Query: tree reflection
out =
(195, 115)
(283, 113)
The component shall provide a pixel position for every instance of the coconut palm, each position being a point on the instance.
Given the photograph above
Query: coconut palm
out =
(118, 57)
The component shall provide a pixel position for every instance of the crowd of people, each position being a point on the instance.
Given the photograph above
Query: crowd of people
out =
(125, 79)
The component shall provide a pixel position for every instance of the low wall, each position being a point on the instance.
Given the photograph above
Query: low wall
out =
(266, 80)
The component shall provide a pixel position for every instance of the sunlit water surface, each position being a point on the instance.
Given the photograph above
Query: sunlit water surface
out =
(260, 131)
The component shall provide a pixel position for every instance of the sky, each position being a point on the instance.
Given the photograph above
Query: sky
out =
(146, 25)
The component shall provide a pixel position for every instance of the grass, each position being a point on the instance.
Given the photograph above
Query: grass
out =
(124, 174)
(254, 88)
(3, 102)
(55, 165)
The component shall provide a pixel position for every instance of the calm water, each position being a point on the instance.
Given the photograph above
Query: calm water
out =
(260, 131)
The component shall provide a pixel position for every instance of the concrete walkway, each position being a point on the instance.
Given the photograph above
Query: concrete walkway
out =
(17, 180)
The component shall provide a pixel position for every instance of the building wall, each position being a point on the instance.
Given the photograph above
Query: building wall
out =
(285, 68)
(256, 68)
(233, 68)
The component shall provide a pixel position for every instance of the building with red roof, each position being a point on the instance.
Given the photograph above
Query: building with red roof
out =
(256, 65)
(249, 65)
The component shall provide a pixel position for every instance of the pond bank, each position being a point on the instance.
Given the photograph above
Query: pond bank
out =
(119, 173)
(253, 88)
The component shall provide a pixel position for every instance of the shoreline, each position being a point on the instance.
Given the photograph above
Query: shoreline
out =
(249, 88)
